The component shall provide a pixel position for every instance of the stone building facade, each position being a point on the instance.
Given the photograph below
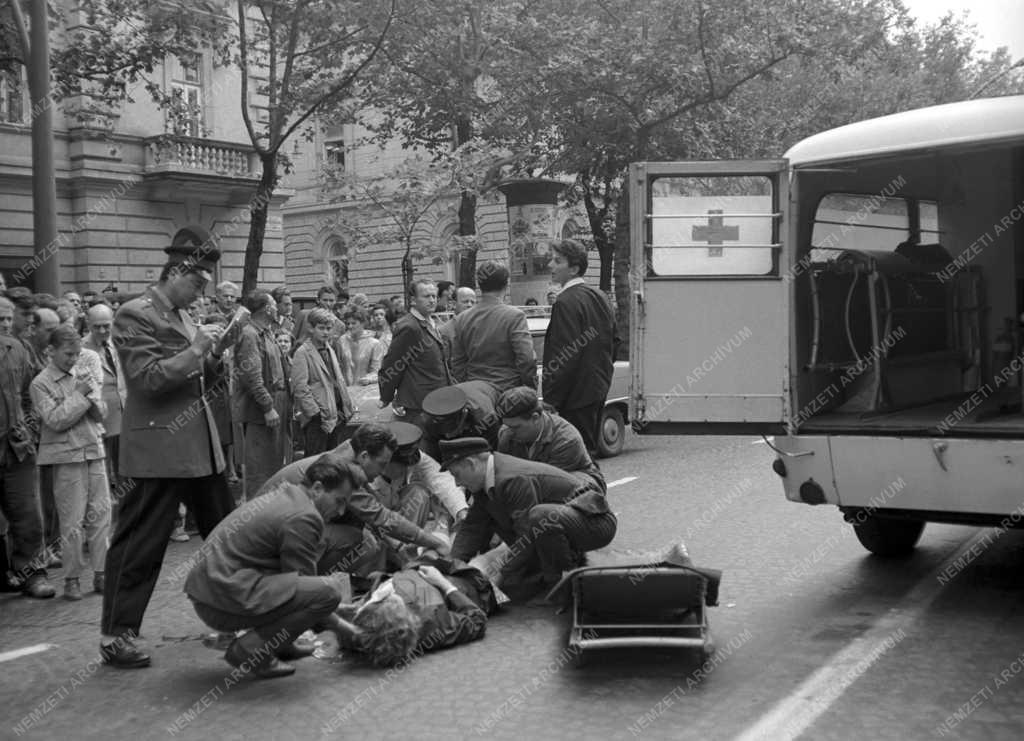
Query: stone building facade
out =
(129, 188)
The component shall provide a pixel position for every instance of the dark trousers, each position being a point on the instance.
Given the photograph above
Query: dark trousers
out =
(564, 533)
(314, 600)
(316, 441)
(586, 420)
(20, 506)
(264, 454)
(145, 519)
(351, 549)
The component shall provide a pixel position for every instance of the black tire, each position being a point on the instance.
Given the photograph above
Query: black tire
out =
(886, 536)
(611, 432)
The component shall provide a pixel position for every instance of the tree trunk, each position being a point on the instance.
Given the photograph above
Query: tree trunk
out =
(259, 208)
(407, 269)
(623, 289)
(467, 228)
(467, 211)
(605, 247)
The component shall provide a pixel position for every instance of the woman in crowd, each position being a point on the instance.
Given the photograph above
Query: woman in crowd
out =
(71, 410)
(430, 604)
(361, 352)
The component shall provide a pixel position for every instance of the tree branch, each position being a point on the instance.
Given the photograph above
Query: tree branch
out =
(347, 80)
(19, 21)
(243, 63)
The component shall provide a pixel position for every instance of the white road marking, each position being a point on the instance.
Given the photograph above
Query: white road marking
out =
(622, 481)
(794, 714)
(27, 651)
(762, 441)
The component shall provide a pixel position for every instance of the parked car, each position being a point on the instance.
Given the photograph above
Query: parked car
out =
(613, 418)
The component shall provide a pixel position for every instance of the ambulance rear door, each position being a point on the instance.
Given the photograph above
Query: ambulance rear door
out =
(710, 314)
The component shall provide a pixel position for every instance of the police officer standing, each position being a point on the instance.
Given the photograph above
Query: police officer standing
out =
(170, 449)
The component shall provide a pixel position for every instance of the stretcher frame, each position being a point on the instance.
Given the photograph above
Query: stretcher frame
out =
(639, 606)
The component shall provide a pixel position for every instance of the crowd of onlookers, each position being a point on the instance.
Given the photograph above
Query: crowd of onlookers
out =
(288, 386)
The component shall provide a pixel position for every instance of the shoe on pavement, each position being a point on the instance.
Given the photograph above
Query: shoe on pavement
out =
(98, 582)
(72, 590)
(179, 535)
(38, 587)
(124, 654)
(261, 668)
(295, 651)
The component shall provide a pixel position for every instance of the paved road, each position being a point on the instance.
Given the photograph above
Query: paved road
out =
(815, 638)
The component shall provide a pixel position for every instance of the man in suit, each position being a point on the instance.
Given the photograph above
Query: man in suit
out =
(259, 570)
(492, 342)
(171, 450)
(579, 345)
(546, 518)
(260, 397)
(415, 362)
(100, 320)
(352, 542)
(318, 386)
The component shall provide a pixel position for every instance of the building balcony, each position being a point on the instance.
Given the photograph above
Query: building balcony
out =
(185, 157)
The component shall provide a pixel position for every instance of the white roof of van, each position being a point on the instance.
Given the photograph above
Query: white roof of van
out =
(985, 119)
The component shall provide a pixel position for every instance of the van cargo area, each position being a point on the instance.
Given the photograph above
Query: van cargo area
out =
(908, 291)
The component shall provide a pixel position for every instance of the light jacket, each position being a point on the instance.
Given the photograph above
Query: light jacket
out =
(313, 385)
(68, 433)
(259, 376)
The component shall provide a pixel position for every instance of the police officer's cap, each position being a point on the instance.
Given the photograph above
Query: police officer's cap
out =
(461, 447)
(445, 402)
(192, 259)
(408, 438)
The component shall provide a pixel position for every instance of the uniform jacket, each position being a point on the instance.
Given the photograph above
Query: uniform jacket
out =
(259, 376)
(414, 364)
(363, 506)
(491, 342)
(114, 390)
(18, 420)
(313, 385)
(579, 348)
(559, 444)
(519, 485)
(68, 433)
(253, 558)
(168, 430)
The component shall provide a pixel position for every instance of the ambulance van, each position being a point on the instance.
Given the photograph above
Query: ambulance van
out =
(860, 301)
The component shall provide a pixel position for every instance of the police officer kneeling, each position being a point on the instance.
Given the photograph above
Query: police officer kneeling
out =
(259, 570)
(547, 518)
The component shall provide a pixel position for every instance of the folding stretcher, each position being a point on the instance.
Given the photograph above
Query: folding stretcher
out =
(632, 602)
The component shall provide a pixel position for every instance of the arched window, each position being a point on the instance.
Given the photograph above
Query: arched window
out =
(336, 256)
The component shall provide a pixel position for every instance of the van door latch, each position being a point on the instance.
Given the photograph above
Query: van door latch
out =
(939, 448)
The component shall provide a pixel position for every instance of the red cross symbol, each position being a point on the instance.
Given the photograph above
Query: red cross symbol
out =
(715, 233)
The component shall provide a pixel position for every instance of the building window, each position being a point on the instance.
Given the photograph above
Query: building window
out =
(13, 94)
(334, 155)
(186, 111)
(336, 254)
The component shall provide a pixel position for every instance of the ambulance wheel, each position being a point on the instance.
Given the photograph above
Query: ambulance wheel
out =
(612, 432)
(886, 536)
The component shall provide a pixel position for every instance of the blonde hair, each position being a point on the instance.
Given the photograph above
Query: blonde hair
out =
(390, 631)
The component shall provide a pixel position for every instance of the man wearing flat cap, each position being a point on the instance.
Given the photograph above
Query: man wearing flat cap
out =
(532, 432)
(546, 518)
(169, 447)
(464, 410)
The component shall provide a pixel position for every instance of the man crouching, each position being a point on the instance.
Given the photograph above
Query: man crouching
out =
(258, 570)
